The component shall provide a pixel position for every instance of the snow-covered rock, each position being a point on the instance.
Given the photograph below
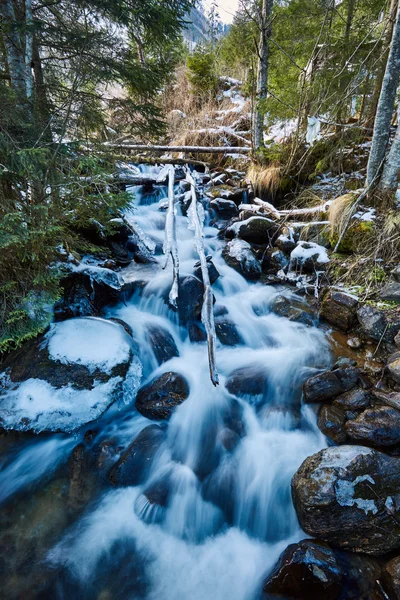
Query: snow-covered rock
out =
(309, 257)
(69, 377)
(239, 255)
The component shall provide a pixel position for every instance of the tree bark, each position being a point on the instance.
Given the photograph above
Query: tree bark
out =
(373, 105)
(391, 169)
(14, 51)
(28, 49)
(385, 107)
(262, 72)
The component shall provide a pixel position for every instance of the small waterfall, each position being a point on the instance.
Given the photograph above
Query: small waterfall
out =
(215, 510)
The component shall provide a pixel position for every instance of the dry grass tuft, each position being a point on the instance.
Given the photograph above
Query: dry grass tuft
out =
(265, 180)
(339, 212)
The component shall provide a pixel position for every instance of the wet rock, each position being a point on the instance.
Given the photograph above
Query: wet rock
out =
(355, 399)
(292, 309)
(376, 427)
(212, 271)
(355, 343)
(190, 299)
(162, 343)
(391, 578)
(274, 260)
(197, 332)
(247, 381)
(331, 420)
(350, 496)
(397, 339)
(329, 385)
(239, 255)
(257, 230)
(225, 208)
(78, 299)
(229, 439)
(134, 464)
(343, 362)
(220, 487)
(157, 399)
(391, 292)
(312, 570)
(393, 366)
(235, 195)
(340, 310)
(79, 476)
(226, 332)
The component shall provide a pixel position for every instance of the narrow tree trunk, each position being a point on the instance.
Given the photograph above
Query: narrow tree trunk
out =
(14, 52)
(391, 169)
(385, 106)
(262, 73)
(373, 105)
(28, 49)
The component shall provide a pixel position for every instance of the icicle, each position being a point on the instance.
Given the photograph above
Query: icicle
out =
(170, 247)
(196, 220)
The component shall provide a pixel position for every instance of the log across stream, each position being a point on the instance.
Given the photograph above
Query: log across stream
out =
(196, 505)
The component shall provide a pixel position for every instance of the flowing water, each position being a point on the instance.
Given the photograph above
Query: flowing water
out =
(227, 513)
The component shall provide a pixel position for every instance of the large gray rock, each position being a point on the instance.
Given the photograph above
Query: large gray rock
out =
(312, 570)
(225, 208)
(375, 324)
(350, 496)
(162, 343)
(331, 420)
(294, 310)
(239, 255)
(257, 230)
(340, 310)
(393, 366)
(157, 399)
(330, 384)
(376, 427)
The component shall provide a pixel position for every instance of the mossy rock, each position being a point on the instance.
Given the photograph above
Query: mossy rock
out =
(356, 237)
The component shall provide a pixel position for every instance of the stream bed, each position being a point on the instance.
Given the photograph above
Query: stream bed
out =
(212, 510)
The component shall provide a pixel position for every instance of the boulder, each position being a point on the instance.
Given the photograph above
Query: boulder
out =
(391, 578)
(373, 321)
(331, 420)
(376, 427)
(293, 309)
(68, 377)
(397, 339)
(391, 292)
(162, 343)
(239, 255)
(312, 570)
(329, 385)
(190, 299)
(257, 230)
(134, 464)
(235, 195)
(350, 496)
(340, 310)
(355, 399)
(157, 399)
(227, 332)
(393, 366)
(247, 381)
(274, 260)
(308, 257)
(225, 208)
(285, 241)
(212, 271)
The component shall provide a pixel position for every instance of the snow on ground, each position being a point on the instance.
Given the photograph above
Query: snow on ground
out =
(368, 214)
(36, 405)
(90, 341)
(280, 130)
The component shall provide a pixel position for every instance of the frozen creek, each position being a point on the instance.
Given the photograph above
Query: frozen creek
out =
(228, 513)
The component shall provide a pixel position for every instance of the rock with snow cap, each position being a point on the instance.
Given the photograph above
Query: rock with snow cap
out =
(350, 496)
(257, 230)
(240, 256)
(309, 257)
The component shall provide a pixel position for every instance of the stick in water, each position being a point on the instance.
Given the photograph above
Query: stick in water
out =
(207, 311)
(170, 247)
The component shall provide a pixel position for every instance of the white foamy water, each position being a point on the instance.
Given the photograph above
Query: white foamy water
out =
(226, 515)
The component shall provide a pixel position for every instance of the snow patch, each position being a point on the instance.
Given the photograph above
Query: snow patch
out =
(90, 341)
(345, 491)
(306, 250)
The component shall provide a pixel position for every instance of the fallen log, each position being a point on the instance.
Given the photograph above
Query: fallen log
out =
(207, 311)
(195, 149)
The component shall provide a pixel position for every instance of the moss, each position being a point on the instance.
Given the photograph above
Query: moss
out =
(355, 238)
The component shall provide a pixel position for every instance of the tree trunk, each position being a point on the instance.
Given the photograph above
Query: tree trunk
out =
(373, 105)
(14, 51)
(262, 73)
(28, 49)
(391, 169)
(385, 106)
